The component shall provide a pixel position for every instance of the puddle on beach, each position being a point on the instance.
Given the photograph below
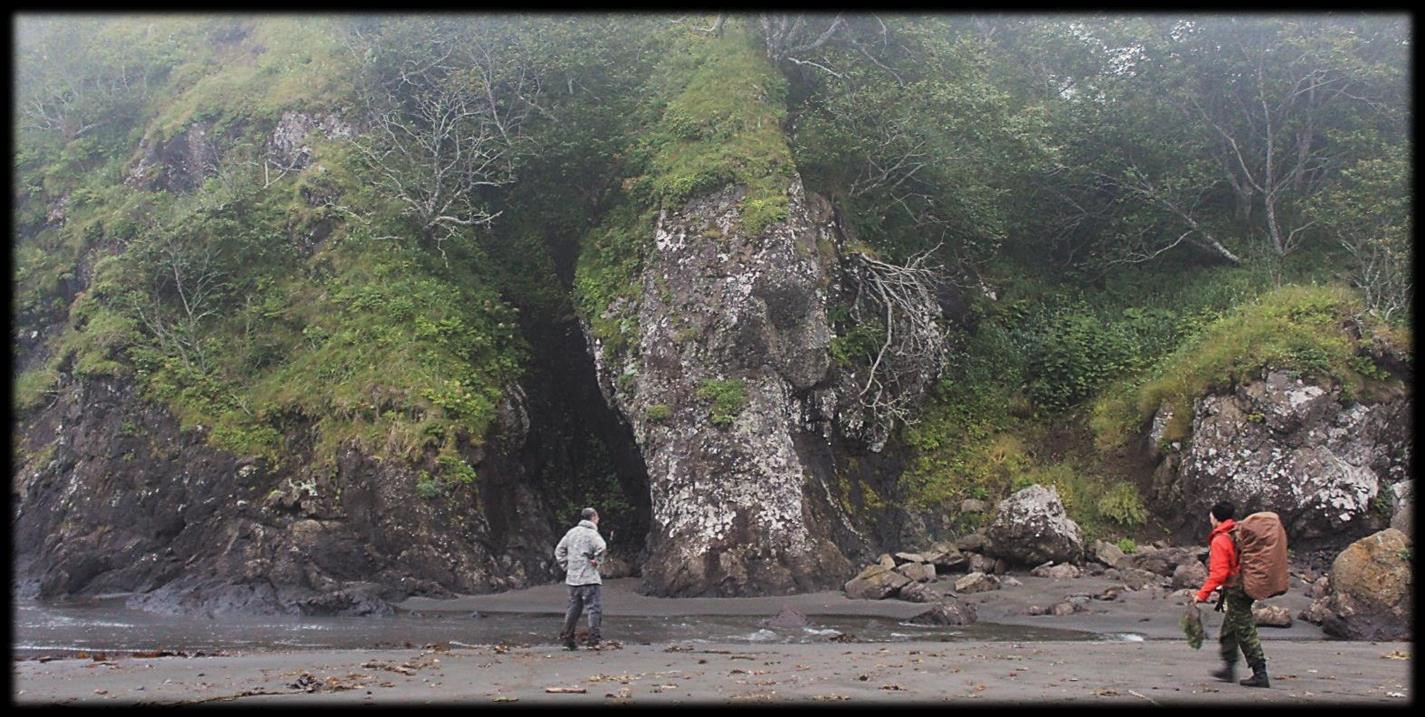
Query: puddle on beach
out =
(58, 629)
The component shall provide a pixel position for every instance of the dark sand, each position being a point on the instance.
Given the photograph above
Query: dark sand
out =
(1162, 669)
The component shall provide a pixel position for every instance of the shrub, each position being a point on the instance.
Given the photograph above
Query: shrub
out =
(428, 487)
(1122, 505)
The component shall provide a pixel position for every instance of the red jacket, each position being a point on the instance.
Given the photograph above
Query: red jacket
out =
(1221, 559)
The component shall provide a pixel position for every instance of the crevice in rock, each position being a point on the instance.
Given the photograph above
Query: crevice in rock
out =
(580, 451)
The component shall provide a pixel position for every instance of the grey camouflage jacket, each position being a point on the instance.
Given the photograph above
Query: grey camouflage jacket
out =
(580, 553)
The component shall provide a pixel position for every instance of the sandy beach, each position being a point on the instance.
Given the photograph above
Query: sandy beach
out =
(1141, 658)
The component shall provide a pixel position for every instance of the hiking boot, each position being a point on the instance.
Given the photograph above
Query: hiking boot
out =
(1228, 673)
(1258, 678)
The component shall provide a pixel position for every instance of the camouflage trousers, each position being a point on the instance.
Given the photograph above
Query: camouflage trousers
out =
(1239, 630)
(581, 598)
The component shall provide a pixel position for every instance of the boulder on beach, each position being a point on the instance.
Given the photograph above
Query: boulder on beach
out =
(979, 563)
(1164, 561)
(1032, 526)
(919, 572)
(1370, 590)
(920, 592)
(1271, 616)
(945, 557)
(1106, 553)
(976, 582)
(1061, 571)
(876, 582)
(1137, 579)
(949, 611)
(1189, 575)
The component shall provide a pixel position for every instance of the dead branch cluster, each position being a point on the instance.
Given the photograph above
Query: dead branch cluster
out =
(901, 299)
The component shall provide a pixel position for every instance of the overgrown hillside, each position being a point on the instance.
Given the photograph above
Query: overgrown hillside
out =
(348, 255)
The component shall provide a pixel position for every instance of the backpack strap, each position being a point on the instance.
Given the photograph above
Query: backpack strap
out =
(1234, 569)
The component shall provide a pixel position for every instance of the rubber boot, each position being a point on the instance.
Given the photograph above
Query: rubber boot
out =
(1228, 673)
(1258, 678)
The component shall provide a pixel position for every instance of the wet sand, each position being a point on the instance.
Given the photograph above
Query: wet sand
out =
(1147, 613)
(1142, 660)
(1157, 672)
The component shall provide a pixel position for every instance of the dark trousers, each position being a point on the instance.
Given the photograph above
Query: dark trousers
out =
(583, 597)
(1239, 630)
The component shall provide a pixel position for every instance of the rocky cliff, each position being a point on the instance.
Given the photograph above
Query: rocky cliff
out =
(728, 381)
(1300, 449)
(111, 496)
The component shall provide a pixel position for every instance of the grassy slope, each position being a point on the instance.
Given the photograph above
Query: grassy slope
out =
(366, 339)
(716, 119)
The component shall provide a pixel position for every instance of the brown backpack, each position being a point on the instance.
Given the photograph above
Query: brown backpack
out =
(1261, 555)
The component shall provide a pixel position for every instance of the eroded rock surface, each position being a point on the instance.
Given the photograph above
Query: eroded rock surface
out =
(290, 147)
(1298, 449)
(125, 501)
(737, 508)
(1032, 527)
(178, 164)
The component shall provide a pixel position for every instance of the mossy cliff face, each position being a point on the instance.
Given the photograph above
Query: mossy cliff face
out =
(338, 423)
(732, 347)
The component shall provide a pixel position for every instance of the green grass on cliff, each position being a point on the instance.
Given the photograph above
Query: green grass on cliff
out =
(722, 124)
(1301, 329)
(314, 323)
(715, 118)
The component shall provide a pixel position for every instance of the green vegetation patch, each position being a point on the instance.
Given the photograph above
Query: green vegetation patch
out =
(1302, 329)
(728, 396)
(722, 125)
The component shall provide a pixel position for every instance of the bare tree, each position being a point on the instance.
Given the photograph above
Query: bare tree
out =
(1382, 273)
(189, 273)
(1182, 205)
(442, 126)
(1267, 105)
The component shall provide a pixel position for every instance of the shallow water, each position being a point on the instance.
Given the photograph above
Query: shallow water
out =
(58, 629)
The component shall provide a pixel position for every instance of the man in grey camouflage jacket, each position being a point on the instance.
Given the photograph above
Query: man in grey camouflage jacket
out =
(579, 554)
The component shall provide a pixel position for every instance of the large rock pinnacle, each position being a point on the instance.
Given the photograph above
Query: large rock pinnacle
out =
(732, 338)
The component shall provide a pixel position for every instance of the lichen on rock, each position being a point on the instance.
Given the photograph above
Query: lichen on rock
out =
(1298, 449)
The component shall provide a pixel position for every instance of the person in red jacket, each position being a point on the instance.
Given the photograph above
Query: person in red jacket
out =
(1239, 628)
